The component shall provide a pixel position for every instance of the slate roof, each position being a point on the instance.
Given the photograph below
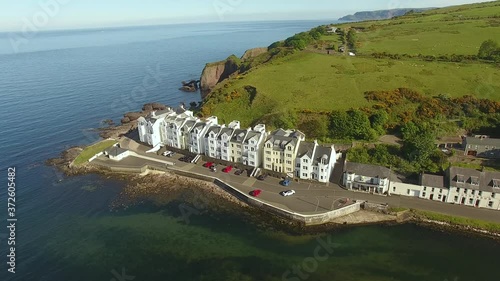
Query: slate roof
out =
(305, 148)
(115, 151)
(251, 135)
(239, 135)
(213, 129)
(227, 131)
(467, 177)
(433, 181)
(367, 170)
(482, 141)
(322, 152)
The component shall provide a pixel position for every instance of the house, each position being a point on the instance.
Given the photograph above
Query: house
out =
(331, 29)
(434, 188)
(172, 128)
(116, 153)
(474, 188)
(196, 142)
(149, 128)
(280, 151)
(224, 140)
(482, 146)
(304, 160)
(235, 150)
(253, 146)
(367, 178)
(323, 163)
(212, 149)
(185, 132)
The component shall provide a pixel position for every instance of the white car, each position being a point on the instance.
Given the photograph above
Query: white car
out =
(288, 193)
(167, 153)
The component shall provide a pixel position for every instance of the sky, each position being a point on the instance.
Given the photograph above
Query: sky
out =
(19, 15)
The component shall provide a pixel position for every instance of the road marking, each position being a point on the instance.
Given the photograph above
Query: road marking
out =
(249, 182)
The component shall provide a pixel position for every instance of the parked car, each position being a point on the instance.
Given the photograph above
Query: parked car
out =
(286, 182)
(262, 177)
(183, 159)
(208, 164)
(238, 172)
(288, 193)
(172, 154)
(256, 193)
(227, 169)
(213, 168)
(167, 153)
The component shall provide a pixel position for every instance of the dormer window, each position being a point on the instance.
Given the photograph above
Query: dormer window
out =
(496, 183)
(460, 179)
(474, 181)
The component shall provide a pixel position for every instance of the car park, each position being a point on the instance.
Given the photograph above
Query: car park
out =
(227, 169)
(262, 177)
(255, 193)
(286, 182)
(287, 193)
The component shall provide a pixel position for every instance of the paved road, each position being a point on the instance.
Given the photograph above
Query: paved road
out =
(312, 198)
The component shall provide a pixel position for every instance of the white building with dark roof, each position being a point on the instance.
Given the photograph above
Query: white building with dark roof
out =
(224, 140)
(367, 178)
(197, 135)
(304, 160)
(212, 147)
(253, 146)
(149, 128)
(173, 124)
(474, 188)
(323, 163)
(235, 150)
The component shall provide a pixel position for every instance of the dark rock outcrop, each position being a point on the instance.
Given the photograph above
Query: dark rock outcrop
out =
(191, 86)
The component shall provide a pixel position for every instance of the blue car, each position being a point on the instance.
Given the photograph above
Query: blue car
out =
(286, 182)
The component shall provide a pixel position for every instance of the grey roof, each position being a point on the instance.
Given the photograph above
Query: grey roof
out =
(239, 135)
(483, 141)
(305, 148)
(227, 131)
(189, 124)
(213, 129)
(322, 152)
(251, 135)
(200, 125)
(115, 151)
(468, 176)
(433, 181)
(367, 170)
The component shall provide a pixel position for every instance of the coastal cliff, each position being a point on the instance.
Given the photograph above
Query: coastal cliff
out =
(216, 72)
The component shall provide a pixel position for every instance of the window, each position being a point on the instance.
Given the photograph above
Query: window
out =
(268, 145)
(288, 169)
(423, 194)
(298, 165)
(490, 204)
(268, 166)
(458, 189)
(232, 145)
(440, 191)
(289, 162)
(407, 191)
(474, 181)
(493, 195)
(289, 148)
(425, 188)
(456, 198)
(393, 189)
(471, 201)
(496, 183)
(268, 152)
(252, 149)
(473, 192)
(460, 178)
(238, 146)
(289, 155)
(268, 159)
(480, 193)
(252, 163)
(433, 189)
(305, 161)
(304, 174)
(321, 177)
(439, 197)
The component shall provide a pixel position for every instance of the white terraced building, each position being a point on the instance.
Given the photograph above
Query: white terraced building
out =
(212, 149)
(197, 135)
(280, 151)
(253, 146)
(315, 162)
(149, 127)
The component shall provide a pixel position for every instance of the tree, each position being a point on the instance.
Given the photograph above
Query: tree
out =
(353, 124)
(379, 120)
(489, 50)
(352, 39)
(418, 143)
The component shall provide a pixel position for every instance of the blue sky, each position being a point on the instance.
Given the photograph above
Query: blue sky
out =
(62, 14)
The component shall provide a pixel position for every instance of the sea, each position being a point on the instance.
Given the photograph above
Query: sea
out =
(57, 86)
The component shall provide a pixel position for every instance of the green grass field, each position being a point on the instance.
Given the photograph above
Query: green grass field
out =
(309, 80)
(479, 224)
(323, 83)
(90, 151)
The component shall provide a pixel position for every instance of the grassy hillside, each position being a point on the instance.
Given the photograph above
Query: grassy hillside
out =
(311, 80)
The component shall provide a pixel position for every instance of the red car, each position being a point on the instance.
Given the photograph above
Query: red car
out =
(256, 193)
(208, 165)
(227, 169)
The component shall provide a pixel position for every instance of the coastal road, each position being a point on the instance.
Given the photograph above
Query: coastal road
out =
(309, 198)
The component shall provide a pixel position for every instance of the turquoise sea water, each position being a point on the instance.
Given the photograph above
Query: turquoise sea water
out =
(63, 83)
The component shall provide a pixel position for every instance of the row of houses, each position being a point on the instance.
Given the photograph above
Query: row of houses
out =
(462, 186)
(281, 151)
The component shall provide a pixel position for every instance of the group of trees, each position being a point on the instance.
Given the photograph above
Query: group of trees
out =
(351, 39)
(489, 50)
(301, 40)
